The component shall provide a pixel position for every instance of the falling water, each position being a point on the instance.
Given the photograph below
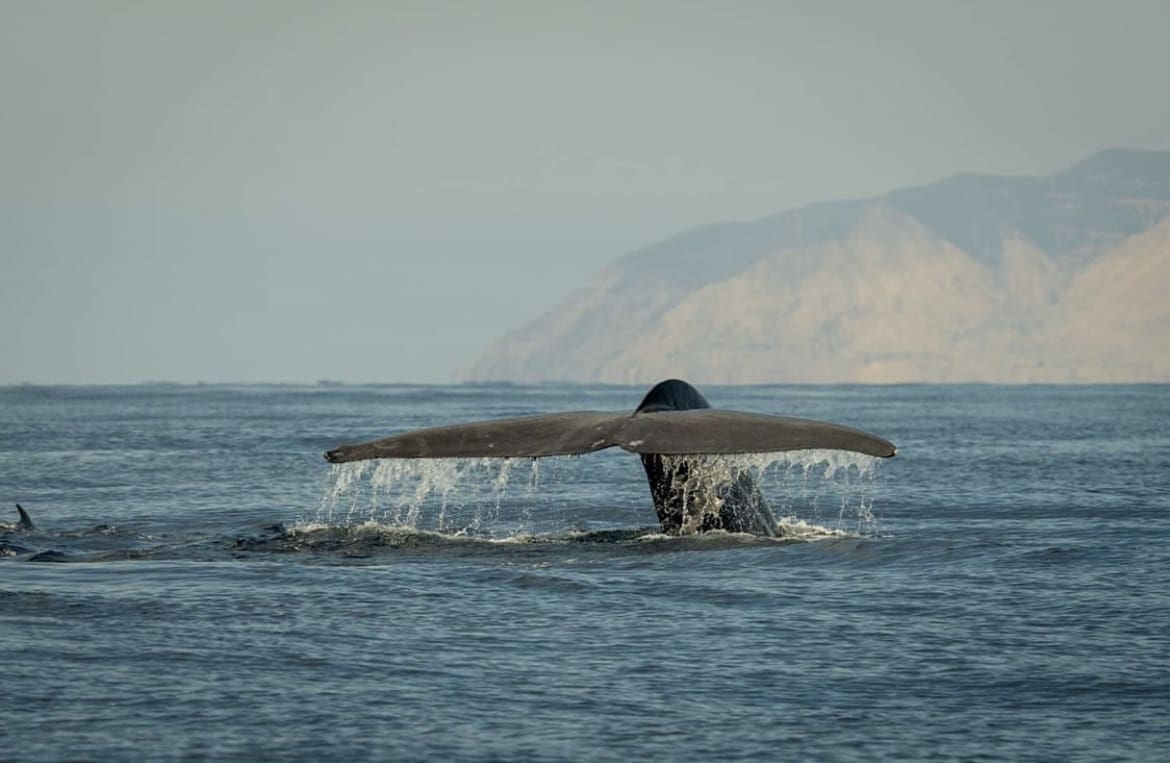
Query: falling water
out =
(811, 492)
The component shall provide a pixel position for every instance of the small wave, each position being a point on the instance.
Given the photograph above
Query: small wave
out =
(542, 581)
(389, 534)
(370, 535)
(373, 542)
(794, 528)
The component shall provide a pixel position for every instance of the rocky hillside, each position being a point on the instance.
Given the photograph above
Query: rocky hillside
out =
(1062, 278)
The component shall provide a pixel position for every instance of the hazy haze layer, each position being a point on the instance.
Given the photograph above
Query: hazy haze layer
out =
(374, 191)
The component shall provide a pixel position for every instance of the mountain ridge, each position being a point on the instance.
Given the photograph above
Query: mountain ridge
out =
(970, 278)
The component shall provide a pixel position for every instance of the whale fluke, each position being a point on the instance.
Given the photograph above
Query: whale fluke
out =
(673, 419)
(555, 434)
(690, 432)
(716, 432)
(26, 522)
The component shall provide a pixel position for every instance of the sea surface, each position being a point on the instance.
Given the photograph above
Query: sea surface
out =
(202, 585)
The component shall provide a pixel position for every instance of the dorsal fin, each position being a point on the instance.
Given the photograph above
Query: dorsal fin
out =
(26, 522)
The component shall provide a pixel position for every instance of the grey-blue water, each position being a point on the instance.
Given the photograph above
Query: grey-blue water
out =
(202, 585)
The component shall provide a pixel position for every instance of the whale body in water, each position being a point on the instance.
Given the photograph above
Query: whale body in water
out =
(670, 429)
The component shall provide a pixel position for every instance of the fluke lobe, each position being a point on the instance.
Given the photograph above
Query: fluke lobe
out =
(674, 419)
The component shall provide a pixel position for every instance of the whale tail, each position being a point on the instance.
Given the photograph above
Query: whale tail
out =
(673, 420)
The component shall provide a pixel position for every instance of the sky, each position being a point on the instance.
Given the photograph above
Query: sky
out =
(373, 192)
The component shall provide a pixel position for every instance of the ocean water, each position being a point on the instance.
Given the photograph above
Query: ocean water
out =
(202, 585)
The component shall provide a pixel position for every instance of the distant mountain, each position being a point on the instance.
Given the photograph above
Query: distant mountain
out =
(1063, 278)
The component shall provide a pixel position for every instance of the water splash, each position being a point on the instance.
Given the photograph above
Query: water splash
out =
(449, 495)
(832, 490)
(810, 492)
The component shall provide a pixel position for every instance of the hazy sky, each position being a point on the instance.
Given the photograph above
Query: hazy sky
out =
(282, 191)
